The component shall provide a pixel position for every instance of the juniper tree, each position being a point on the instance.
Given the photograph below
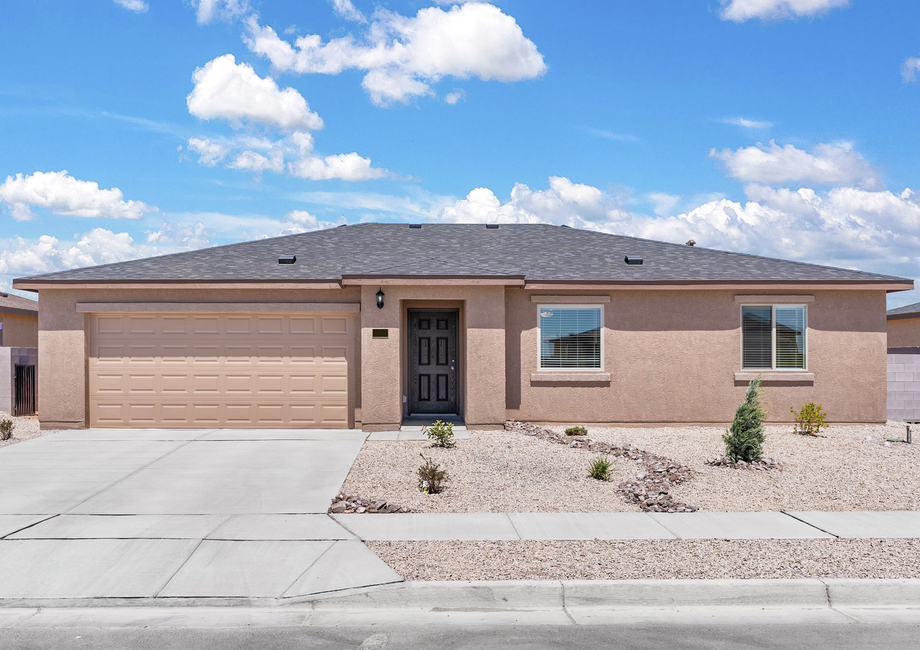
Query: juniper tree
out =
(744, 438)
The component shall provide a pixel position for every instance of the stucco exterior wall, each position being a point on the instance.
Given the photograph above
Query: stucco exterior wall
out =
(384, 361)
(904, 332)
(63, 341)
(19, 330)
(672, 358)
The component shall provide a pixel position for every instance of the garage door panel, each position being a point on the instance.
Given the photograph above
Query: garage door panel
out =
(219, 371)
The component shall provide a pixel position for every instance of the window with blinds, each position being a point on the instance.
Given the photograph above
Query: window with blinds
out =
(773, 337)
(570, 337)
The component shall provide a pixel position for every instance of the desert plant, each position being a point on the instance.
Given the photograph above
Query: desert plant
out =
(431, 476)
(600, 468)
(576, 431)
(744, 438)
(442, 433)
(810, 420)
(6, 429)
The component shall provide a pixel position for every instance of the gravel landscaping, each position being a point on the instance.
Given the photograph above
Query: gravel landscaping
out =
(652, 559)
(502, 471)
(25, 428)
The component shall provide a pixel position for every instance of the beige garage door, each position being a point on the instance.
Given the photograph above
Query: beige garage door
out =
(220, 370)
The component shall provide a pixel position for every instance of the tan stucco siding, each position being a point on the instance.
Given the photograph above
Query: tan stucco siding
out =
(904, 332)
(63, 340)
(19, 330)
(672, 357)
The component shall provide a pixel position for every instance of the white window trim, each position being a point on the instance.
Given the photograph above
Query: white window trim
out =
(773, 307)
(540, 367)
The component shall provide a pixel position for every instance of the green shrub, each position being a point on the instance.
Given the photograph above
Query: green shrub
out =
(576, 431)
(744, 439)
(431, 476)
(442, 433)
(600, 468)
(6, 429)
(810, 420)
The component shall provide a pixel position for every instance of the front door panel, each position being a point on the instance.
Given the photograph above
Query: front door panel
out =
(433, 362)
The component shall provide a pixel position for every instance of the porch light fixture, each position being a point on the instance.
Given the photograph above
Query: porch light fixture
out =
(380, 295)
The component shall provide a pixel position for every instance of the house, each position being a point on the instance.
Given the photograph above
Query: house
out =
(367, 325)
(18, 321)
(904, 326)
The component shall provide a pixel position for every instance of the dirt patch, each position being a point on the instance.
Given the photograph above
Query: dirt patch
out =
(501, 471)
(652, 559)
(25, 428)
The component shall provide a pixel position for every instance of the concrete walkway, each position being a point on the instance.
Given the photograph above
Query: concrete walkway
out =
(632, 525)
(191, 514)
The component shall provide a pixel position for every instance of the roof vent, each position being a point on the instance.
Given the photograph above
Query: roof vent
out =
(287, 259)
(415, 225)
(491, 226)
(692, 242)
(4, 294)
(632, 259)
(565, 226)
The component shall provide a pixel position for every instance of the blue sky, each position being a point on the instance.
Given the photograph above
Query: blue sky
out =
(778, 127)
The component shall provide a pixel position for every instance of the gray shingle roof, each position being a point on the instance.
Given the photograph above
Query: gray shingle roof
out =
(907, 311)
(12, 304)
(536, 252)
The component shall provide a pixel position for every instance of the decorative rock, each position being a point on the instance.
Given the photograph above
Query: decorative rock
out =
(353, 504)
(762, 464)
(652, 486)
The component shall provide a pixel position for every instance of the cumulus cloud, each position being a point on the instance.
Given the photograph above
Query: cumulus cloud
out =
(347, 10)
(746, 123)
(454, 97)
(137, 6)
(910, 69)
(825, 164)
(234, 92)
(63, 194)
(403, 56)
(293, 154)
(742, 10)
(208, 11)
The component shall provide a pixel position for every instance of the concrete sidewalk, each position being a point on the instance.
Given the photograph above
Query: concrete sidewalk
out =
(518, 603)
(632, 525)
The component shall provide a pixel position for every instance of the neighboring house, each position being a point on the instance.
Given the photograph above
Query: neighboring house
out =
(365, 325)
(904, 327)
(18, 321)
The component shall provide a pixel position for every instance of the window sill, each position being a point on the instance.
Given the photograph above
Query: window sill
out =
(776, 376)
(570, 377)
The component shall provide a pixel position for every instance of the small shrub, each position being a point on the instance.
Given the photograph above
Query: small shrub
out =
(431, 476)
(6, 429)
(576, 431)
(600, 468)
(810, 420)
(442, 433)
(744, 439)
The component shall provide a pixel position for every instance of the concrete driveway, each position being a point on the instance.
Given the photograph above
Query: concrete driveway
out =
(179, 514)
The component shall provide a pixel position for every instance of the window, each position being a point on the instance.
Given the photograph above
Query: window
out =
(773, 337)
(570, 337)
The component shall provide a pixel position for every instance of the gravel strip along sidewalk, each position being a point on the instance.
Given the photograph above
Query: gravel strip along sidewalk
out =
(25, 428)
(501, 471)
(652, 559)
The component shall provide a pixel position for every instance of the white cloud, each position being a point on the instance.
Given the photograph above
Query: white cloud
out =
(347, 10)
(293, 154)
(207, 11)
(746, 123)
(825, 164)
(910, 69)
(663, 203)
(182, 235)
(138, 6)
(454, 97)
(742, 10)
(403, 56)
(209, 153)
(234, 92)
(63, 194)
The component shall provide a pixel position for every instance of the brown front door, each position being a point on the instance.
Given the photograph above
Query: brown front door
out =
(433, 362)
